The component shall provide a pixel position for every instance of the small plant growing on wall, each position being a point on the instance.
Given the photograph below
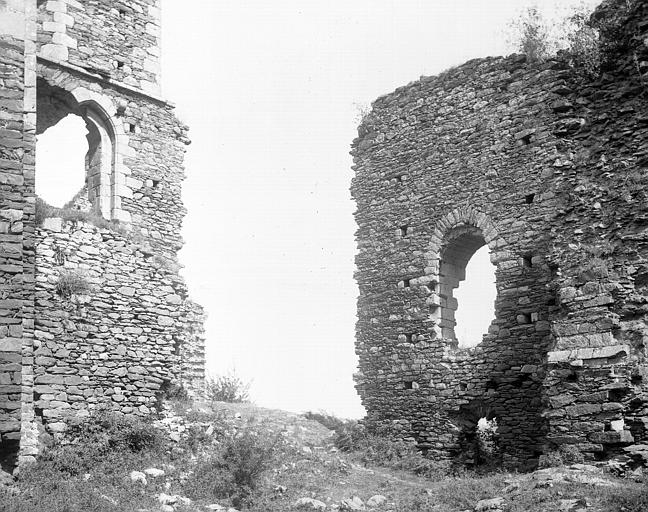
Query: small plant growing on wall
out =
(72, 282)
(539, 39)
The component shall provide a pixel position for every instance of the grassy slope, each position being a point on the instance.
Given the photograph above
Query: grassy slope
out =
(304, 464)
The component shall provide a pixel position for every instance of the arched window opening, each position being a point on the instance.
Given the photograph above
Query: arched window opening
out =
(61, 163)
(75, 154)
(465, 312)
(476, 299)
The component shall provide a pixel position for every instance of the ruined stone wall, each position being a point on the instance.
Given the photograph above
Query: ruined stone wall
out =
(118, 342)
(118, 40)
(505, 153)
(134, 332)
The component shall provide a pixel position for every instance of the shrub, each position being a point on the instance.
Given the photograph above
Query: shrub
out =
(381, 449)
(582, 42)
(532, 35)
(565, 454)
(226, 388)
(42, 211)
(234, 470)
(101, 436)
(72, 282)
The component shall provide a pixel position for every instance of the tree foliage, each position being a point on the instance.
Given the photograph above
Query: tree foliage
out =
(539, 38)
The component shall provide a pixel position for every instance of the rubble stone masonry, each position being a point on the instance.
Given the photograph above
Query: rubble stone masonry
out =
(548, 167)
(93, 311)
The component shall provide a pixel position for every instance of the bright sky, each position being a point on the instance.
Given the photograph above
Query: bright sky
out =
(271, 93)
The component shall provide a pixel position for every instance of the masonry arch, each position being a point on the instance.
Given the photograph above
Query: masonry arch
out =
(99, 189)
(457, 237)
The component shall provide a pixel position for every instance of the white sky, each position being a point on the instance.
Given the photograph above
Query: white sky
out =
(270, 91)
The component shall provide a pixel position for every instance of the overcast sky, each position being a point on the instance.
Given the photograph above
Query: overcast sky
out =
(271, 92)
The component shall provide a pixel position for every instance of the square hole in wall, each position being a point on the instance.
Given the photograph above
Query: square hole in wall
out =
(120, 64)
(529, 198)
(131, 127)
(407, 283)
(403, 230)
(411, 384)
(527, 262)
(524, 318)
(410, 337)
(155, 183)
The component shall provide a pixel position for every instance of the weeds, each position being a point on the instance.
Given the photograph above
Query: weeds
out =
(227, 388)
(72, 282)
(540, 39)
(45, 211)
(234, 470)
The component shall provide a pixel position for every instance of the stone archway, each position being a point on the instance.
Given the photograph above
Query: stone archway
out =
(456, 238)
(99, 191)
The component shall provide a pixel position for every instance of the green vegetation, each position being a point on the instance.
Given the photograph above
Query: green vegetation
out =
(540, 39)
(264, 461)
(72, 282)
(227, 388)
(71, 214)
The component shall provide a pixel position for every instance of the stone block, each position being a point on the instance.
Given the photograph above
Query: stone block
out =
(56, 52)
(612, 437)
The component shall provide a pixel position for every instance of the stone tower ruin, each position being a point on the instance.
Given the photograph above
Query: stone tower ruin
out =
(548, 167)
(93, 312)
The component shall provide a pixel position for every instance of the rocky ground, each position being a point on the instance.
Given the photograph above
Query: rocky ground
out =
(305, 472)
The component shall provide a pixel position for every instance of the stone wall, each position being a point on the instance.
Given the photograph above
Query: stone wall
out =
(547, 168)
(119, 40)
(133, 334)
(17, 126)
(117, 341)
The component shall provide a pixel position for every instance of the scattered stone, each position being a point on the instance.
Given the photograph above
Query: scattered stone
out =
(110, 500)
(571, 505)
(310, 504)
(352, 504)
(167, 499)
(512, 487)
(154, 472)
(490, 504)
(376, 501)
(138, 476)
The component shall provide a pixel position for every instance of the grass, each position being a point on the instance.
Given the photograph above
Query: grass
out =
(72, 282)
(264, 461)
(69, 214)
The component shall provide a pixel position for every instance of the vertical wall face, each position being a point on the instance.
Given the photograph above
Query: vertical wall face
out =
(92, 313)
(17, 125)
(116, 39)
(130, 331)
(459, 160)
(536, 162)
